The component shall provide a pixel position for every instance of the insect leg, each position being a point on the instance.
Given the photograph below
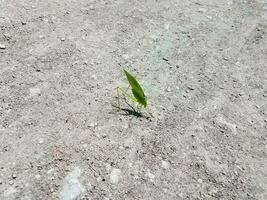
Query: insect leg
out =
(127, 88)
(128, 95)
(139, 107)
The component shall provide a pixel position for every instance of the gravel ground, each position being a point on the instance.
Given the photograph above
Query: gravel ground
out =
(203, 65)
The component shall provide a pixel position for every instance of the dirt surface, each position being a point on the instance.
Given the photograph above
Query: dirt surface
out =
(203, 67)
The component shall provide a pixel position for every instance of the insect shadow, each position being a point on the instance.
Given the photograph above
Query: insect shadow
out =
(128, 111)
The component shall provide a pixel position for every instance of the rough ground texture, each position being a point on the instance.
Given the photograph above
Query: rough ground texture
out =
(202, 64)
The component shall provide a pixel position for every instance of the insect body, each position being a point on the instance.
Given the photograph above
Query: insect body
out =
(137, 96)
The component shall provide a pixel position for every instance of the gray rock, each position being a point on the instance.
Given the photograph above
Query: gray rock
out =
(72, 187)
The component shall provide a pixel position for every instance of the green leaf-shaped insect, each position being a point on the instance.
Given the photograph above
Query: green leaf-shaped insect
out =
(138, 96)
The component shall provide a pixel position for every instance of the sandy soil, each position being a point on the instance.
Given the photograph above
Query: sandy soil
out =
(203, 65)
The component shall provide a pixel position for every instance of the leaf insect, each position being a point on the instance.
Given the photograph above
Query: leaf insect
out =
(138, 96)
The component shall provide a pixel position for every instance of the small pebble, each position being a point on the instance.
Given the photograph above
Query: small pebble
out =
(41, 141)
(241, 93)
(165, 164)
(34, 91)
(99, 179)
(257, 106)
(126, 56)
(7, 36)
(2, 46)
(14, 176)
(190, 87)
(265, 120)
(115, 176)
(150, 175)
(62, 39)
(168, 89)
(93, 124)
(23, 23)
(202, 10)
(249, 195)
(38, 176)
(6, 148)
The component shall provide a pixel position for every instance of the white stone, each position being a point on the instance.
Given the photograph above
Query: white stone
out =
(165, 164)
(41, 141)
(93, 124)
(150, 175)
(38, 176)
(167, 26)
(115, 176)
(35, 91)
(50, 171)
(72, 187)
(126, 56)
(202, 10)
(128, 142)
(2, 46)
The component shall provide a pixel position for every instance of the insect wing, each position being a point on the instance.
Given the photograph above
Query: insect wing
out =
(140, 99)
